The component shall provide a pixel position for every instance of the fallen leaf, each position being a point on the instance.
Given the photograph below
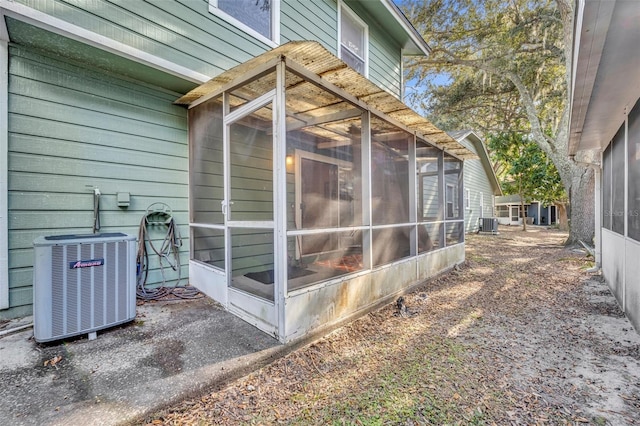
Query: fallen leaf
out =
(53, 361)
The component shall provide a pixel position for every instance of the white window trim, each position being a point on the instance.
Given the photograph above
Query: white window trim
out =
(467, 199)
(481, 196)
(275, 23)
(355, 17)
(452, 201)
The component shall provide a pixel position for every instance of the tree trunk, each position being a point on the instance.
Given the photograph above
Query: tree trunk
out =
(521, 208)
(581, 206)
(562, 217)
(578, 180)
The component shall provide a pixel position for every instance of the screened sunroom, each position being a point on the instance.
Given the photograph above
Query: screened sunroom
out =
(314, 194)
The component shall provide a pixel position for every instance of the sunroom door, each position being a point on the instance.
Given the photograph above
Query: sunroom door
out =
(248, 209)
(515, 215)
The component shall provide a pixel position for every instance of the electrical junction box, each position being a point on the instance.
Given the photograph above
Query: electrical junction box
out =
(123, 199)
(82, 283)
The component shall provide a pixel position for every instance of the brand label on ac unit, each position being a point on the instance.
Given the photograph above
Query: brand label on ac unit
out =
(86, 263)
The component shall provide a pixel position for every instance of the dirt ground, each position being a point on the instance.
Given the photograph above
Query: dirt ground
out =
(521, 333)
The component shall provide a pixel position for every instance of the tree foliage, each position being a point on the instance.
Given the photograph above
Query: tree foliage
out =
(528, 172)
(502, 67)
(498, 56)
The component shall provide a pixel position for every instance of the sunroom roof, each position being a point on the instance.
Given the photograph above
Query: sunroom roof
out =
(314, 58)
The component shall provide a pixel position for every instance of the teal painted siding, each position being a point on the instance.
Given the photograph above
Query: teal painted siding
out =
(71, 126)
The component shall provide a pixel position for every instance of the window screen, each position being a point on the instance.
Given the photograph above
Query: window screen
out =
(453, 187)
(389, 173)
(634, 174)
(428, 196)
(353, 41)
(617, 182)
(606, 188)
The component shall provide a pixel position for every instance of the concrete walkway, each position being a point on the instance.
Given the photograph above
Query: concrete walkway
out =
(171, 351)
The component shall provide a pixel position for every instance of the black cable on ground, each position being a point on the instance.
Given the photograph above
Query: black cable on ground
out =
(168, 256)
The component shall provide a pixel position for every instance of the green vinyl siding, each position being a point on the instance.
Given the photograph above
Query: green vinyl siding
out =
(252, 250)
(431, 208)
(80, 116)
(317, 20)
(186, 33)
(385, 56)
(477, 183)
(384, 62)
(72, 127)
(310, 20)
(476, 180)
(183, 31)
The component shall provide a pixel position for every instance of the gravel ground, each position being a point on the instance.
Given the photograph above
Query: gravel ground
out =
(521, 333)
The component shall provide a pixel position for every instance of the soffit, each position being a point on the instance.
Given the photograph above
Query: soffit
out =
(24, 34)
(605, 82)
(483, 154)
(395, 24)
(313, 57)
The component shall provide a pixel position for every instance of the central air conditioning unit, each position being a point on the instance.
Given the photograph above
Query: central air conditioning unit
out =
(82, 283)
(488, 224)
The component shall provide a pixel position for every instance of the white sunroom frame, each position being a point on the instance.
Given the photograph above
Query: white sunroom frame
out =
(286, 318)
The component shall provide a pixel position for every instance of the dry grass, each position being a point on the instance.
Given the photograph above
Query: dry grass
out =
(503, 340)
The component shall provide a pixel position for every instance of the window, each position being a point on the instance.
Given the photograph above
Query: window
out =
(481, 204)
(354, 40)
(467, 199)
(429, 187)
(452, 201)
(502, 211)
(453, 195)
(260, 18)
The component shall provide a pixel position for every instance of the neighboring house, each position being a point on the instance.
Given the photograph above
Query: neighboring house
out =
(292, 177)
(480, 182)
(605, 119)
(508, 210)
